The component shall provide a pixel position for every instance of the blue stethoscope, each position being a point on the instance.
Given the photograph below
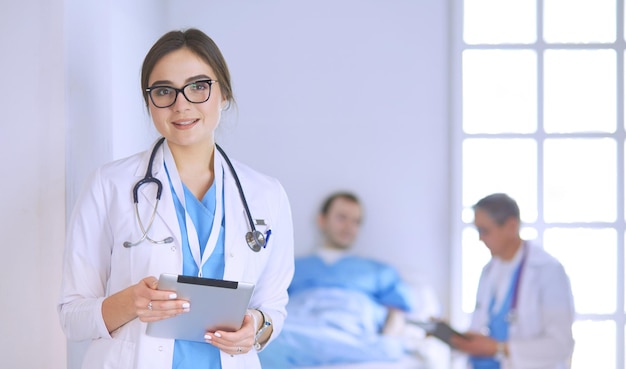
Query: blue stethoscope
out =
(255, 239)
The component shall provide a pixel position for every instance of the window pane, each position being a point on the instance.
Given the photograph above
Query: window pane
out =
(501, 165)
(580, 180)
(595, 345)
(474, 256)
(579, 21)
(499, 21)
(580, 91)
(589, 257)
(499, 91)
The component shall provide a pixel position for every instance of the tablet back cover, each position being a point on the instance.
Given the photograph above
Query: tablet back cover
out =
(215, 305)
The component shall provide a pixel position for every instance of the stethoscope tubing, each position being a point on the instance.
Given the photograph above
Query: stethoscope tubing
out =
(148, 177)
(522, 265)
(239, 188)
(255, 239)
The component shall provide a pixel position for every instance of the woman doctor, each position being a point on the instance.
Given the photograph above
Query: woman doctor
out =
(114, 256)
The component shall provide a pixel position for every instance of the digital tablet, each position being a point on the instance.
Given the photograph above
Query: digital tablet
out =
(215, 305)
(438, 329)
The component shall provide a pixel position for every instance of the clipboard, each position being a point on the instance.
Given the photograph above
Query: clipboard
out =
(439, 329)
(215, 305)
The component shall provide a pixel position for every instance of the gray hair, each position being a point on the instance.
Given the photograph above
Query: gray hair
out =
(499, 206)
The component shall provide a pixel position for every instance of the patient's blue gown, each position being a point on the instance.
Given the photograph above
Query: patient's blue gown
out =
(336, 312)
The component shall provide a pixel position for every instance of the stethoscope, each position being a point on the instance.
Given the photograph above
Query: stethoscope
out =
(512, 315)
(254, 238)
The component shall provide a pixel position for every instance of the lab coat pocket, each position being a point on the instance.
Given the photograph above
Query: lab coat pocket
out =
(528, 323)
(251, 360)
(245, 361)
(109, 353)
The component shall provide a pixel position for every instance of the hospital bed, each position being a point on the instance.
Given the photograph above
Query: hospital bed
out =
(420, 351)
(433, 355)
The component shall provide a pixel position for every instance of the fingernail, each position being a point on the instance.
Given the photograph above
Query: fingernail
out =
(207, 337)
(217, 334)
(186, 305)
(173, 296)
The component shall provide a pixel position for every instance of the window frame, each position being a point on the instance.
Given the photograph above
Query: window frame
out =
(457, 316)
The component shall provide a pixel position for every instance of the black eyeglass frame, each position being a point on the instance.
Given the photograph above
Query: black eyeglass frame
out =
(181, 90)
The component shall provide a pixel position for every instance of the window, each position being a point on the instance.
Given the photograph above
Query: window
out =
(538, 114)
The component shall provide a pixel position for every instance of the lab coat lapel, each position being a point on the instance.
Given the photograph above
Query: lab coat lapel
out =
(147, 194)
(236, 228)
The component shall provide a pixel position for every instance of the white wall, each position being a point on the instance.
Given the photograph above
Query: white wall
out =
(107, 41)
(32, 214)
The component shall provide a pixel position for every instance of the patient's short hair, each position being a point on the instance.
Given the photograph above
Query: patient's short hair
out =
(338, 195)
(499, 206)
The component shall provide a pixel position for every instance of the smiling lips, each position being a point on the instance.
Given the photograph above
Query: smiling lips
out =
(185, 123)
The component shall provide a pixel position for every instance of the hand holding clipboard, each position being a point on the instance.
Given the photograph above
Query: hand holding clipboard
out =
(439, 329)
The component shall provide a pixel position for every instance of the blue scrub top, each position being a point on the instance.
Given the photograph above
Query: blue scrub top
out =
(498, 324)
(190, 354)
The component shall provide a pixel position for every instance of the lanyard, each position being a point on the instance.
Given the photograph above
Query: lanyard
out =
(518, 278)
(514, 286)
(192, 234)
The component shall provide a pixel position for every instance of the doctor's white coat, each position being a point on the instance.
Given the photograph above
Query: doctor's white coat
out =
(97, 265)
(541, 335)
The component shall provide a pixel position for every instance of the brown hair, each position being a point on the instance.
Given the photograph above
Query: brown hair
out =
(200, 44)
(338, 195)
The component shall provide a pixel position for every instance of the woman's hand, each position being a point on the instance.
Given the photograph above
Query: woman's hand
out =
(141, 300)
(234, 343)
(152, 305)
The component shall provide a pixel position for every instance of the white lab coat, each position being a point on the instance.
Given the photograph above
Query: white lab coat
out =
(97, 265)
(541, 336)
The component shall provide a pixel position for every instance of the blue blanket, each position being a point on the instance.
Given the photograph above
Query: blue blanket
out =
(336, 312)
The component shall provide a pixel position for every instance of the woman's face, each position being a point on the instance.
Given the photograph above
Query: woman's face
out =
(185, 123)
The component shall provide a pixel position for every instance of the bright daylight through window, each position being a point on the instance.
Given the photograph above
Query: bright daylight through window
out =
(540, 117)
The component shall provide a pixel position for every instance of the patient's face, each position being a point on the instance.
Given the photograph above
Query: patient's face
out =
(341, 224)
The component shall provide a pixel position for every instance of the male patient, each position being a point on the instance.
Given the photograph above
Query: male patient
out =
(343, 308)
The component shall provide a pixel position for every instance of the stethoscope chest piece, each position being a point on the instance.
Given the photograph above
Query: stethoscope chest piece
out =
(255, 240)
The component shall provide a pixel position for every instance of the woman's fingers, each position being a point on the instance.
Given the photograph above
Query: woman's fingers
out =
(234, 343)
(152, 304)
(232, 347)
(163, 309)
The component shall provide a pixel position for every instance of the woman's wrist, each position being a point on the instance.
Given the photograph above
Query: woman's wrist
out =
(263, 331)
(257, 318)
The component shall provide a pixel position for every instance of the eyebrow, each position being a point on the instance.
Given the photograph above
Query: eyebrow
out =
(188, 80)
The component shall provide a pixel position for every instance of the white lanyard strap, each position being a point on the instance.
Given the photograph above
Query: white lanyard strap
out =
(192, 234)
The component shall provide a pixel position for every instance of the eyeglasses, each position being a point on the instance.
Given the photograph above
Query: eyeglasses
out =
(195, 92)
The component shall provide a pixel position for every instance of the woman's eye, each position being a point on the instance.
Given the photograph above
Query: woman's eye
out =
(199, 86)
(162, 91)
